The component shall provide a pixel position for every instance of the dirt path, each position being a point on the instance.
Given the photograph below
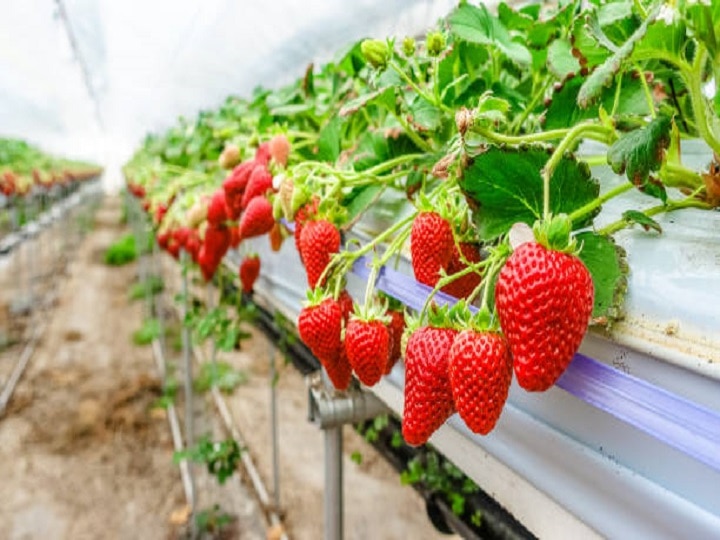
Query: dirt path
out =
(84, 456)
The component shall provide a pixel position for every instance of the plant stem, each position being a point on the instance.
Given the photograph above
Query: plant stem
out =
(596, 203)
(543, 136)
(419, 142)
(575, 133)
(391, 163)
(688, 202)
(699, 106)
(646, 91)
(419, 91)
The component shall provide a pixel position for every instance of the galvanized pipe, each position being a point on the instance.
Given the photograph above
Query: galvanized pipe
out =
(333, 501)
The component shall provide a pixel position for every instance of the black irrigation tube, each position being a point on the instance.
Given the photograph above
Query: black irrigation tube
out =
(496, 522)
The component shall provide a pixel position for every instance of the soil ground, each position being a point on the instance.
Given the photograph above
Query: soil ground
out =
(83, 454)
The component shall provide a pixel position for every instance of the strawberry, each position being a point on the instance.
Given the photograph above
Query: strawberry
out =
(396, 327)
(318, 241)
(181, 235)
(208, 263)
(257, 218)
(279, 148)
(465, 285)
(193, 244)
(249, 272)
(217, 242)
(431, 247)
(276, 237)
(544, 300)
(234, 186)
(340, 372)
(367, 344)
(235, 238)
(480, 370)
(229, 157)
(320, 326)
(428, 395)
(259, 183)
(262, 154)
(346, 305)
(217, 212)
(302, 216)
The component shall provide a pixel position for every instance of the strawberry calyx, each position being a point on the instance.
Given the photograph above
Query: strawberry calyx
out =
(372, 311)
(554, 234)
(316, 296)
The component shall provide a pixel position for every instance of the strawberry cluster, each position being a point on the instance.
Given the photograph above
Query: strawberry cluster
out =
(238, 209)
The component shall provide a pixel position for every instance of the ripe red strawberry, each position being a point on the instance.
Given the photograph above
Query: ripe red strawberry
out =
(318, 241)
(367, 344)
(480, 370)
(544, 301)
(279, 148)
(465, 285)
(249, 272)
(320, 328)
(235, 238)
(208, 263)
(217, 211)
(304, 214)
(431, 247)
(428, 395)
(396, 327)
(340, 372)
(181, 235)
(259, 183)
(234, 186)
(257, 219)
(217, 242)
(346, 305)
(262, 154)
(162, 239)
(193, 244)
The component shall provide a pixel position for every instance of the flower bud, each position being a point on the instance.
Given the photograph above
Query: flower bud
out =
(376, 52)
(408, 46)
(435, 43)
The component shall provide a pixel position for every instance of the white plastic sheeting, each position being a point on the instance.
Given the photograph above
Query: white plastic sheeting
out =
(89, 78)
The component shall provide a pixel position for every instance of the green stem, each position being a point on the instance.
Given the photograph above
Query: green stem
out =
(699, 106)
(543, 136)
(646, 91)
(596, 203)
(539, 94)
(671, 206)
(419, 142)
(446, 280)
(575, 133)
(675, 175)
(391, 164)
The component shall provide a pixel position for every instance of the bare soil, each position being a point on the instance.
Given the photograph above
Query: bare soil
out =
(84, 454)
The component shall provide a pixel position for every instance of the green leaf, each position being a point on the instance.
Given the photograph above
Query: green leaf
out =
(220, 374)
(329, 140)
(662, 39)
(424, 116)
(372, 149)
(360, 199)
(605, 73)
(292, 109)
(586, 46)
(560, 59)
(608, 267)
(383, 97)
(641, 152)
(477, 25)
(645, 221)
(505, 186)
(491, 110)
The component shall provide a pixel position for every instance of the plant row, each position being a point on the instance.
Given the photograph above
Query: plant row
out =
(465, 146)
(23, 166)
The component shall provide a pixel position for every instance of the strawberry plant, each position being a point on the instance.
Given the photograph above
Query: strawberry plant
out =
(221, 458)
(472, 150)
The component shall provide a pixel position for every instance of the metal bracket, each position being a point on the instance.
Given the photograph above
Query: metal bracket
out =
(329, 408)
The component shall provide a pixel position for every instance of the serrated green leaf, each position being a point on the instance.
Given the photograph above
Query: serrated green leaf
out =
(220, 374)
(661, 39)
(585, 46)
(424, 115)
(360, 199)
(560, 60)
(372, 149)
(505, 186)
(645, 221)
(563, 111)
(605, 73)
(329, 140)
(491, 110)
(640, 152)
(512, 19)
(383, 97)
(292, 109)
(478, 25)
(607, 265)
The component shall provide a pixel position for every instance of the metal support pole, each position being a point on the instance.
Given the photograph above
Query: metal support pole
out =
(274, 427)
(333, 503)
(187, 363)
